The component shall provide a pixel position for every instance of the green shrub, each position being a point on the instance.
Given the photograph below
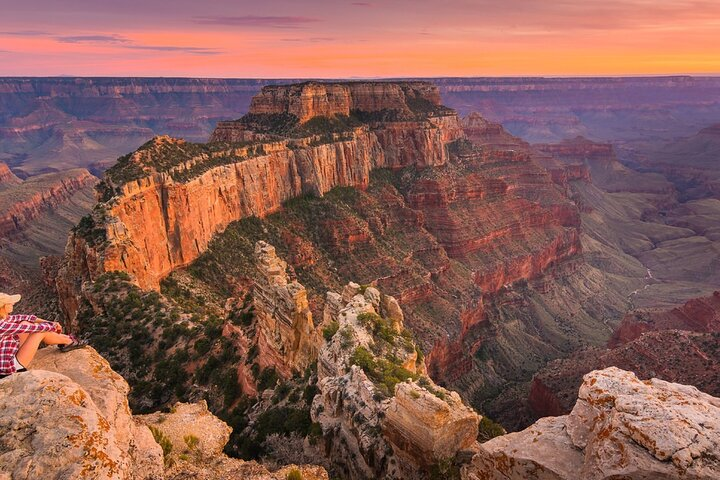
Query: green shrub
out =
(191, 441)
(329, 331)
(267, 379)
(294, 474)
(163, 441)
(383, 372)
(489, 429)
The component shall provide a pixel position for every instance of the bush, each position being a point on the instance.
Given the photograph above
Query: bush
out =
(489, 429)
(163, 441)
(384, 373)
(267, 379)
(191, 441)
(294, 474)
(329, 331)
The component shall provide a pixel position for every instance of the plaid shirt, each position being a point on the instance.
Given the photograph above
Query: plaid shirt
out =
(10, 342)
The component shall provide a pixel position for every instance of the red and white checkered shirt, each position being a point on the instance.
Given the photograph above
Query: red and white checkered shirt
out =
(10, 342)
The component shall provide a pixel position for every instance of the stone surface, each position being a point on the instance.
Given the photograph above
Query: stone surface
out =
(287, 339)
(369, 432)
(620, 427)
(68, 417)
(186, 420)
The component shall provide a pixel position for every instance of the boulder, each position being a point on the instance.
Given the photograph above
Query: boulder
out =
(620, 427)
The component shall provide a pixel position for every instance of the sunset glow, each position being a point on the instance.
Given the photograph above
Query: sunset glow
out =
(322, 38)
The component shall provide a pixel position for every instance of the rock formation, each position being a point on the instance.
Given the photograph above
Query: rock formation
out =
(676, 345)
(68, 417)
(195, 191)
(620, 427)
(7, 177)
(287, 339)
(697, 315)
(23, 202)
(314, 99)
(380, 415)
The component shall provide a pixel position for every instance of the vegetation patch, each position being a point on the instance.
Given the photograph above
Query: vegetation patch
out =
(385, 373)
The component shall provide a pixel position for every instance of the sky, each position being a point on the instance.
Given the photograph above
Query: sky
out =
(348, 39)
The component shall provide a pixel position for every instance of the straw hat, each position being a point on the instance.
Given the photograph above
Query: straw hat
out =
(6, 299)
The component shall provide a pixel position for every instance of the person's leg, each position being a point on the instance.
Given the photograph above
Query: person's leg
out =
(29, 348)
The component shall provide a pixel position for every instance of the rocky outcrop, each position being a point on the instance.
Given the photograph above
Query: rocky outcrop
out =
(164, 203)
(7, 177)
(287, 339)
(620, 427)
(314, 99)
(21, 203)
(697, 315)
(381, 416)
(68, 417)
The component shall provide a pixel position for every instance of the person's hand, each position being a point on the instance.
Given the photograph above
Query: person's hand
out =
(58, 327)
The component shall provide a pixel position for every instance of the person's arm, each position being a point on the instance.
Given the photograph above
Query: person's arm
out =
(11, 328)
(21, 318)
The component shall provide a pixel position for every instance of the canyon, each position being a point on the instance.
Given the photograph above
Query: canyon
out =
(513, 269)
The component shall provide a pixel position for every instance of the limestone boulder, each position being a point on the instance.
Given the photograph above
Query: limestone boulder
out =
(68, 417)
(620, 427)
(191, 429)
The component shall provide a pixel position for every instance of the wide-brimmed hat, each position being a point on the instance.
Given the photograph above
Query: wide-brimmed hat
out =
(6, 299)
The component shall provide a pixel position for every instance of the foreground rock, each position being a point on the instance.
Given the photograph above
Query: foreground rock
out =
(620, 427)
(381, 416)
(194, 439)
(68, 418)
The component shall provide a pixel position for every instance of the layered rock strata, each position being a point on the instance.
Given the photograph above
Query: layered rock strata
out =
(314, 99)
(23, 202)
(163, 204)
(287, 339)
(374, 426)
(620, 427)
(677, 345)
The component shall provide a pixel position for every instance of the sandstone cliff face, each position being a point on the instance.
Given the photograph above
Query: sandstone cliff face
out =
(23, 202)
(164, 217)
(313, 99)
(7, 177)
(374, 427)
(287, 339)
(620, 428)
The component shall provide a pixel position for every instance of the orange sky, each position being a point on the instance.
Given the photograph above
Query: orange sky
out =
(324, 38)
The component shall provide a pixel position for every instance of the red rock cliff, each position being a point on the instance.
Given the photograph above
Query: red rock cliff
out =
(179, 195)
(313, 99)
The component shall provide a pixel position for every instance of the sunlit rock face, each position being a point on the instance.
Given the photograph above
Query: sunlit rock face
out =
(287, 337)
(375, 426)
(620, 427)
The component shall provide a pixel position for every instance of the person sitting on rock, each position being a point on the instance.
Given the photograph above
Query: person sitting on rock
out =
(20, 337)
